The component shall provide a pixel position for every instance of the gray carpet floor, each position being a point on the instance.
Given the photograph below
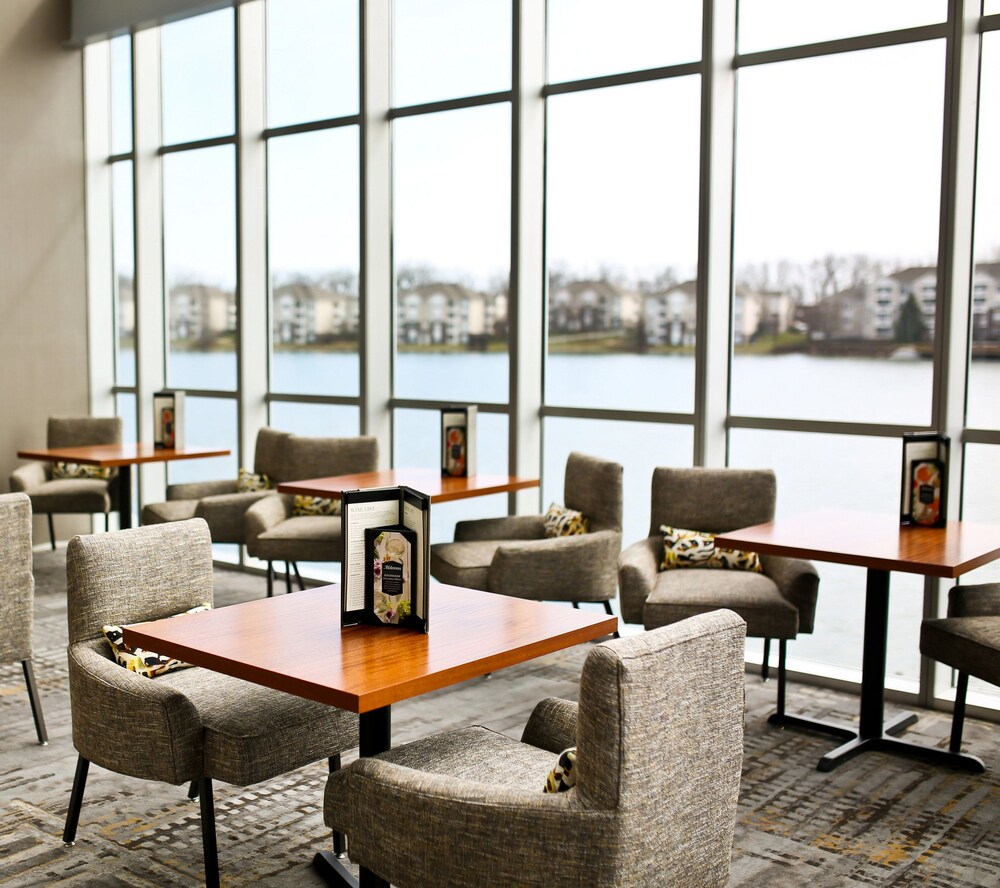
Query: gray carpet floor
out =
(878, 820)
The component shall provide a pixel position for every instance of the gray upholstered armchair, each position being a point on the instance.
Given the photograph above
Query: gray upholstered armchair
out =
(186, 726)
(778, 603)
(275, 533)
(17, 588)
(659, 748)
(219, 502)
(513, 556)
(86, 496)
(968, 640)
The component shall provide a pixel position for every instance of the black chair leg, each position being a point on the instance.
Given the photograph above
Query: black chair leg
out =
(208, 833)
(765, 664)
(76, 800)
(576, 605)
(958, 715)
(270, 578)
(36, 703)
(288, 578)
(611, 613)
(52, 530)
(782, 648)
(339, 839)
(193, 790)
(298, 576)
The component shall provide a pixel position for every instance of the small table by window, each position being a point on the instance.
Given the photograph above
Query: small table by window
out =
(439, 489)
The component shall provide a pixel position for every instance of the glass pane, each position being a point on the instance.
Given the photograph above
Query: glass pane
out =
(766, 24)
(199, 245)
(639, 446)
(326, 420)
(448, 49)
(588, 38)
(121, 94)
(622, 246)
(991, 7)
(197, 61)
(818, 471)
(208, 422)
(983, 407)
(451, 244)
(836, 232)
(981, 503)
(125, 408)
(313, 247)
(312, 60)
(416, 443)
(123, 245)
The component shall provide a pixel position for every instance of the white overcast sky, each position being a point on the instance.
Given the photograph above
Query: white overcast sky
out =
(836, 154)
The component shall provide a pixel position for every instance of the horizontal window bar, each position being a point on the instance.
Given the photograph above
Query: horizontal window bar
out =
(341, 400)
(420, 404)
(312, 126)
(204, 393)
(989, 23)
(568, 86)
(198, 143)
(846, 44)
(820, 426)
(123, 390)
(118, 158)
(451, 104)
(981, 436)
(616, 415)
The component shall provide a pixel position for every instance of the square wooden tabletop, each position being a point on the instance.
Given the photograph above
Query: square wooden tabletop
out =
(119, 454)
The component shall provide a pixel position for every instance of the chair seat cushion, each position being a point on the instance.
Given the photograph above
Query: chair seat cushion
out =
(680, 594)
(472, 753)
(253, 733)
(84, 495)
(172, 510)
(464, 564)
(968, 644)
(303, 538)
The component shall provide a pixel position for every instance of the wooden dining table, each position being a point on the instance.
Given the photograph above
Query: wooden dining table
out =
(123, 456)
(429, 481)
(295, 643)
(875, 541)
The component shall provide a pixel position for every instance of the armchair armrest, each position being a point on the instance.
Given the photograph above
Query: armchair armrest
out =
(637, 569)
(798, 581)
(225, 513)
(570, 568)
(552, 725)
(131, 724)
(512, 527)
(266, 513)
(977, 600)
(25, 478)
(200, 489)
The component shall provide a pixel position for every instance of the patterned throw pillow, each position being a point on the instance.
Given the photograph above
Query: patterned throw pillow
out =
(315, 505)
(78, 470)
(144, 662)
(561, 522)
(563, 776)
(248, 482)
(692, 548)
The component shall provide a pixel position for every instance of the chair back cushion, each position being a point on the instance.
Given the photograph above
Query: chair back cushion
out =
(77, 431)
(660, 742)
(268, 454)
(594, 486)
(17, 584)
(134, 575)
(712, 500)
(307, 457)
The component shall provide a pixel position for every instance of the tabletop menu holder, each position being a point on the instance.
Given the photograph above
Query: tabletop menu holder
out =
(458, 441)
(392, 525)
(924, 486)
(168, 420)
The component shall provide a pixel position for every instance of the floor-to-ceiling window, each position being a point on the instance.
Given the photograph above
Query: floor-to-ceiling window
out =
(836, 228)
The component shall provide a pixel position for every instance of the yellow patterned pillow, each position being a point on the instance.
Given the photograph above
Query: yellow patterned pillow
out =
(248, 482)
(693, 548)
(563, 776)
(140, 661)
(315, 505)
(561, 522)
(79, 470)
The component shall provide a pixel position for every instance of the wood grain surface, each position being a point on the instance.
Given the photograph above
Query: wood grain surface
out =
(119, 454)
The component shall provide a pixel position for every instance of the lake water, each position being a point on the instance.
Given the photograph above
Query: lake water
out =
(814, 470)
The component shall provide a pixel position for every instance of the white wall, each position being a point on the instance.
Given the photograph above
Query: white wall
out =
(43, 306)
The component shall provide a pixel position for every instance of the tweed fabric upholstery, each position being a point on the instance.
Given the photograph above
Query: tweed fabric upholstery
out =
(716, 501)
(552, 725)
(181, 725)
(196, 490)
(273, 533)
(968, 639)
(656, 792)
(513, 556)
(83, 495)
(171, 510)
(17, 584)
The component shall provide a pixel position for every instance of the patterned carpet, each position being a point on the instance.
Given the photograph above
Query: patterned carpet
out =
(878, 820)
